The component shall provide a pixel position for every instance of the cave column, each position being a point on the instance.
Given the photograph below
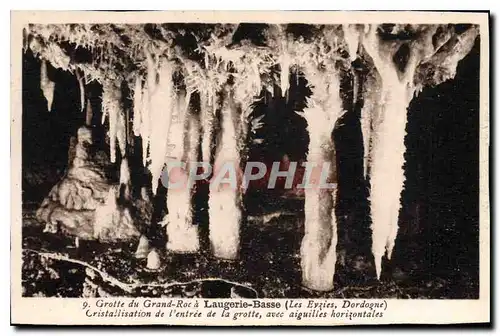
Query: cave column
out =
(225, 199)
(182, 234)
(319, 244)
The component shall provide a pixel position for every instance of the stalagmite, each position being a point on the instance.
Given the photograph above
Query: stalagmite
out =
(114, 222)
(154, 261)
(89, 113)
(224, 204)
(142, 248)
(319, 245)
(47, 85)
(125, 177)
(182, 233)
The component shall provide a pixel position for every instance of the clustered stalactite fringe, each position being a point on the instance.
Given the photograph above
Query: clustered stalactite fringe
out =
(168, 128)
(113, 111)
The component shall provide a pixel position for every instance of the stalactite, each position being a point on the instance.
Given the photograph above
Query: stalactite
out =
(369, 112)
(285, 73)
(144, 128)
(137, 106)
(128, 136)
(388, 148)
(113, 116)
(111, 108)
(387, 173)
(81, 86)
(46, 85)
(121, 132)
(351, 36)
(151, 71)
(160, 118)
(148, 108)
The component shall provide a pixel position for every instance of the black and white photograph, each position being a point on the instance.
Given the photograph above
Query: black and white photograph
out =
(298, 160)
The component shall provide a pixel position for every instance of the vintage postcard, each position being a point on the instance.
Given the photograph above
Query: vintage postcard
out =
(250, 168)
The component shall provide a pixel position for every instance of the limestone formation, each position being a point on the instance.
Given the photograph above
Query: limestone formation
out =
(84, 202)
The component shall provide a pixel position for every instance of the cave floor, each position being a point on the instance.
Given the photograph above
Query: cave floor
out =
(269, 267)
